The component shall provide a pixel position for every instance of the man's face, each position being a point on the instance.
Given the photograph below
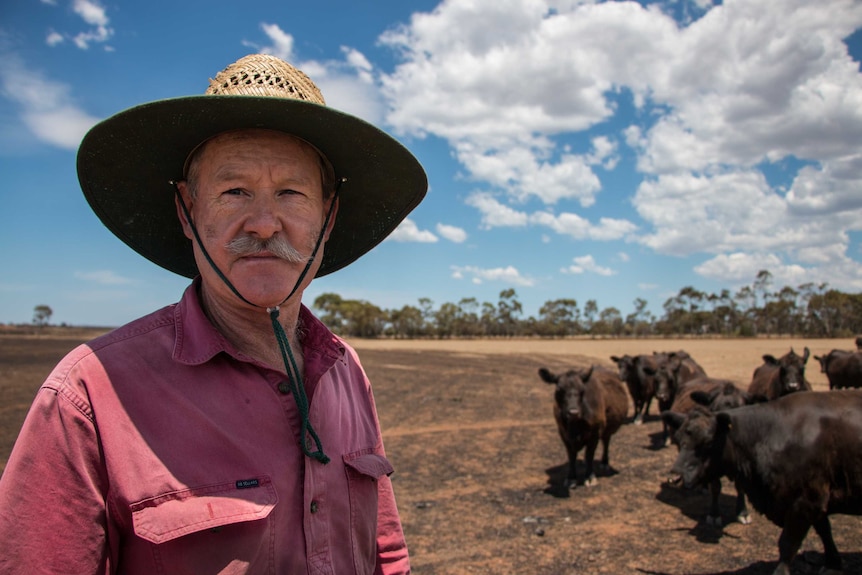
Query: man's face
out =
(254, 195)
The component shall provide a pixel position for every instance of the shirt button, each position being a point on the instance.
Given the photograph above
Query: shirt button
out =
(314, 506)
(284, 388)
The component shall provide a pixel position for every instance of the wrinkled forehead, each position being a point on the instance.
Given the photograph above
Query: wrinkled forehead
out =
(256, 135)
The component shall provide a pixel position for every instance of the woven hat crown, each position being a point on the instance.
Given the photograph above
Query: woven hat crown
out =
(264, 75)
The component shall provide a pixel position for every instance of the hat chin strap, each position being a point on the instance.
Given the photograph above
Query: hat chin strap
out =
(297, 386)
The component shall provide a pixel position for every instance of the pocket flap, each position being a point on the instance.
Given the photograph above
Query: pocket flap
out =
(370, 464)
(171, 515)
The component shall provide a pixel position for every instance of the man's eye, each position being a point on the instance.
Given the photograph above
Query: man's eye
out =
(233, 192)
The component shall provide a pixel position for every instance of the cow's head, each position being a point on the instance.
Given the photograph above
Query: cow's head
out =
(700, 436)
(569, 395)
(723, 397)
(791, 371)
(666, 375)
(647, 370)
(824, 361)
(625, 365)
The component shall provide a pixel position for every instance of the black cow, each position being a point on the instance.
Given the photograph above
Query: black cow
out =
(842, 368)
(712, 395)
(639, 374)
(798, 459)
(676, 368)
(589, 405)
(778, 377)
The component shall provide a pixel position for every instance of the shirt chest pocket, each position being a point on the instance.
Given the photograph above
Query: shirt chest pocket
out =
(223, 528)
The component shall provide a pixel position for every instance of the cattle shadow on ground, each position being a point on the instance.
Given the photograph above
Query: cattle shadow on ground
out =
(758, 568)
(807, 563)
(694, 504)
(656, 441)
(557, 477)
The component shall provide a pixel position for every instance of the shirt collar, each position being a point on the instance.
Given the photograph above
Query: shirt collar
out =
(198, 341)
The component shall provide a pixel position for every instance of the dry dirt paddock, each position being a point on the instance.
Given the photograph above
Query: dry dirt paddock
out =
(469, 428)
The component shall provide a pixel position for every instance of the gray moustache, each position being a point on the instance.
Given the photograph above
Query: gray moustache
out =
(276, 245)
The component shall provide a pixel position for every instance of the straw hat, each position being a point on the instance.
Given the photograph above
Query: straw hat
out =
(127, 162)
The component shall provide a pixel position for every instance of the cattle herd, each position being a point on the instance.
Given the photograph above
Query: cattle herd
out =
(794, 454)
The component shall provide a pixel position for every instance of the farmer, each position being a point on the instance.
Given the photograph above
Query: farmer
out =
(231, 432)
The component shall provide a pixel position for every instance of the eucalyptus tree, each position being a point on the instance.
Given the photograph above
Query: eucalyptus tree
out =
(639, 322)
(610, 322)
(42, 315)
(329, 306)
(407, 322)
(467, 318)
(558, 318)
(488, 319)
(445, 319)
(591, 310)
(362, 318)
(508, 308)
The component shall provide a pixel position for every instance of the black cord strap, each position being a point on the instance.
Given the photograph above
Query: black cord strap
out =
(297, 386)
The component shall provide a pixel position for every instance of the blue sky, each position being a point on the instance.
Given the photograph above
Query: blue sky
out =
(575, 149)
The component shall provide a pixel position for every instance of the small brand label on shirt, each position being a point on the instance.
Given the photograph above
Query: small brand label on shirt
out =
(247, 483)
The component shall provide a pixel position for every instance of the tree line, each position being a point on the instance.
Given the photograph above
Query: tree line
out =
(809, 310)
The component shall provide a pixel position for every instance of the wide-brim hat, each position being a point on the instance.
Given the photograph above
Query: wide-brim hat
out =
(127, 163)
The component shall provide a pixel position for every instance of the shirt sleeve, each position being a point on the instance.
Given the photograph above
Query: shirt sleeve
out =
(53, 518)
(392, 556)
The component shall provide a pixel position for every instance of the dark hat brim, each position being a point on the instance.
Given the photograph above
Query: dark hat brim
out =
(127, 162)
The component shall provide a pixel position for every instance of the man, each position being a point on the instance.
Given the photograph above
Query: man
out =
(231, 432)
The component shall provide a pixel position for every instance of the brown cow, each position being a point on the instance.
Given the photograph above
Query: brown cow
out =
(589, 405)
(842, 368)
(778, 377)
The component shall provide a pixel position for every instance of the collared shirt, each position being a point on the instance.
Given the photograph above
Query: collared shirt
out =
(158, 448)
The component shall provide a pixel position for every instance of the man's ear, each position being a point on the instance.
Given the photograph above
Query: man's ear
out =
(184, 195)
(331, 219)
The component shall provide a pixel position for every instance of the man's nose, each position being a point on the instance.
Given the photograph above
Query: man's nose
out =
(262, 219)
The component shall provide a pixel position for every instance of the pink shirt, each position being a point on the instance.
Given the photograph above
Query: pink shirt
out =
(158, 448)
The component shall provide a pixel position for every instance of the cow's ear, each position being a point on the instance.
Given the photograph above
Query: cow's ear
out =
(723, 420)
(615, 359)
(673, 419)
(587, 374)
(547, 376)
(703, 398)
(769, 358)
(805, 354)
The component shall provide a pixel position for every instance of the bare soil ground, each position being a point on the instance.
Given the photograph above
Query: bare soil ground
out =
(469, 428)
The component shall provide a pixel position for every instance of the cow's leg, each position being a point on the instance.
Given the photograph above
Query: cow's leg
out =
(639, 409)
(589, 456)
(665, 429)
(832, 559)
(647, 403)
(789, 542)
(714, 516)
(606, 457)
(742, 514)
(571, 476)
